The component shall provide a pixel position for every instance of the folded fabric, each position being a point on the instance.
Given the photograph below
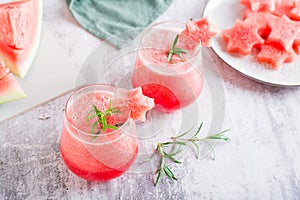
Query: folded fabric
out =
(109, 19)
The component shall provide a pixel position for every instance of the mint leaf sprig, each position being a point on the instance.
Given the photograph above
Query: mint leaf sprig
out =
(102, 119)
(176, 146)
(176, 51)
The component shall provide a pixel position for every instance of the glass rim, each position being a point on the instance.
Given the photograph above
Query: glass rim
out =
(176, 68)
(197, 50)
(69, 103)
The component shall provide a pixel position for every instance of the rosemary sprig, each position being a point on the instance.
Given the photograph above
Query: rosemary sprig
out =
(175, 146)
(164, 169)
(102, 118)
(194, 139)
(176, 51)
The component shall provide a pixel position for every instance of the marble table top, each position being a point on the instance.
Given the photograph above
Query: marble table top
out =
(262, 161)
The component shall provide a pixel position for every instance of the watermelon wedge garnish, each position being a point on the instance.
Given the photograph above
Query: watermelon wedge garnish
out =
(139, 104)
(135, 101)
(201, 31)
(20, 30)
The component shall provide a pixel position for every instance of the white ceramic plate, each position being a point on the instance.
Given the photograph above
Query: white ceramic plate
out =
(223, 14)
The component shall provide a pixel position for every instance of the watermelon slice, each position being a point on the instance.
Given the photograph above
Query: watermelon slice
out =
(201, 31)
(9, 87)
(20, 30)
(242, 37)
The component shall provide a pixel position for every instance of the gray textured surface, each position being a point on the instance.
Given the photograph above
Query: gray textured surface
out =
(261, 162)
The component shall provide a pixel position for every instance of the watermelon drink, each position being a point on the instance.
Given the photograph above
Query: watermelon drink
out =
(97, 154)
(174, 84)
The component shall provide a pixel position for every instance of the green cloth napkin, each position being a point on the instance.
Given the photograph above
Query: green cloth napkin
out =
(106, 18)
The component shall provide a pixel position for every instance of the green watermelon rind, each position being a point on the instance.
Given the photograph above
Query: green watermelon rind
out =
(34, 50)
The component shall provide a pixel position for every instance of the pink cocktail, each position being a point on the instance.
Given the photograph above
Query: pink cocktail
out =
(175, 84)
(91, 154)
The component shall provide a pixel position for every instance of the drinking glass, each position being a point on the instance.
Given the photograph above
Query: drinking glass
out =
(97, 155)
(173, 84)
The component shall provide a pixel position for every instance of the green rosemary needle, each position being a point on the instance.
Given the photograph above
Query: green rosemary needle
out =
(101, 118)
(176, 51)
(163, 167)
(175, 146)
